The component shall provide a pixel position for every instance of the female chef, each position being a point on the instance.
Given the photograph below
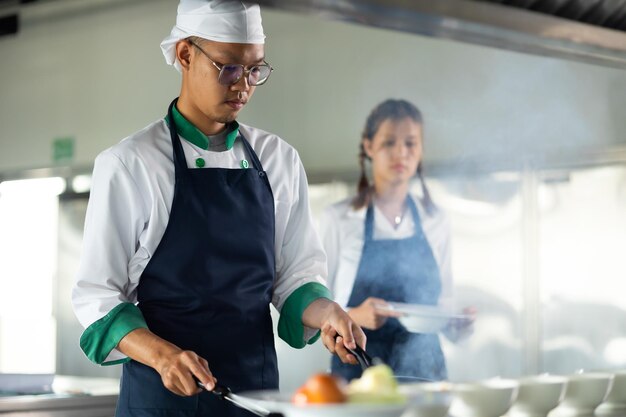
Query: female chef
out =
(195, 225)
(386, 244)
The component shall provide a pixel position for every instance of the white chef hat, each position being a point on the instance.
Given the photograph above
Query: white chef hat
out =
(217, 20)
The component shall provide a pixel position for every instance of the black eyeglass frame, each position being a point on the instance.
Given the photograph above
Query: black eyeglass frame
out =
(244, 71)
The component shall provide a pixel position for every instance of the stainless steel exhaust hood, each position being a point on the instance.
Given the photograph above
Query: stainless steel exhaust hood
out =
(591, 31)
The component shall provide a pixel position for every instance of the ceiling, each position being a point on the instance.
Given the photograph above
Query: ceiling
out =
(591, 31)
(609, 14)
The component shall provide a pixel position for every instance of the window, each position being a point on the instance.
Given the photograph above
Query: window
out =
(28, 240)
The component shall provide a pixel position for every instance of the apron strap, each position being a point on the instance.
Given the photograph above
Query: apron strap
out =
(369, 222)
(180, 163)
(416, 216)
(256, 163)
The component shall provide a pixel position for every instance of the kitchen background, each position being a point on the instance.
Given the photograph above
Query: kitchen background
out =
(526, 153)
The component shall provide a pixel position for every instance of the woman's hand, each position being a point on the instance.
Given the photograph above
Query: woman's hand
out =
(368, 316)
(461, 328)
(339, 331)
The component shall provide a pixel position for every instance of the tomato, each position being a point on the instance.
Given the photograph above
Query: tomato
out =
(320, 389)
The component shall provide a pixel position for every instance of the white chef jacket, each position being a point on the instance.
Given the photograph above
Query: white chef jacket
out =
(129, 207)
(342, 233)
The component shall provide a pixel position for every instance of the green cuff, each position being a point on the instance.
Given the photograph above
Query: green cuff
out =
(99, 339)
(290, 327)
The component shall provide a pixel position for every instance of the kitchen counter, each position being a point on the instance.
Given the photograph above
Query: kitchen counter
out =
(71, 397)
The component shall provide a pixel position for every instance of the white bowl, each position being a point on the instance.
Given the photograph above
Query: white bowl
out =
(427, 399)
(615, 403)
(538, 395)
(490, 398)
(584, 392)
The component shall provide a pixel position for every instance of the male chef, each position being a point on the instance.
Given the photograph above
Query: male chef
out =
(197, 223)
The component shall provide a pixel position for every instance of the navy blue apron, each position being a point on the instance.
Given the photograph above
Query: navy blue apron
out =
(208, 288)
(399, 270)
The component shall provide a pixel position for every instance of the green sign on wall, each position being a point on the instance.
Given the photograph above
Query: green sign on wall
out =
(63, 149)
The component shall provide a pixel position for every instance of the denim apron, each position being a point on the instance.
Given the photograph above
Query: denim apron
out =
(399, 270)
(208, 288)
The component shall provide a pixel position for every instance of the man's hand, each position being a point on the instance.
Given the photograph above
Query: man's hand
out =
(339, 331)
(177, 367)
(178, 370)
(368, 316)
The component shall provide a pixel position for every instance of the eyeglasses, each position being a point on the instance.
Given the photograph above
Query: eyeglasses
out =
(231, 73)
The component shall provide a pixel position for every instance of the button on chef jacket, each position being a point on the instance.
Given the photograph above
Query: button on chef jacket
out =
(128, 211)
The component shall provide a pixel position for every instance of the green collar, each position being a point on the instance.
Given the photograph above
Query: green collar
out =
(192, 134)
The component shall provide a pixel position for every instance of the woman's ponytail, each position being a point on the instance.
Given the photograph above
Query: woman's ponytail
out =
(364, 189)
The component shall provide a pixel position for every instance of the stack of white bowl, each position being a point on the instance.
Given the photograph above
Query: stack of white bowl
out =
(584, 394)
(489, 398)
(434, 399)
(614, 404)
(538, 395)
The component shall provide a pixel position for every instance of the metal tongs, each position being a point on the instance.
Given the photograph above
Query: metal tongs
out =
(226, 394)
(361, 355)
(366, 361)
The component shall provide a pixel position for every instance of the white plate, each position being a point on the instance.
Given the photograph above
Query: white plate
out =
(420, 318)
(277, 402)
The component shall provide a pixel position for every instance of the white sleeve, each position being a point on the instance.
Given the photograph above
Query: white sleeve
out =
(302, 259)
(330, 236)
(115, 218)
